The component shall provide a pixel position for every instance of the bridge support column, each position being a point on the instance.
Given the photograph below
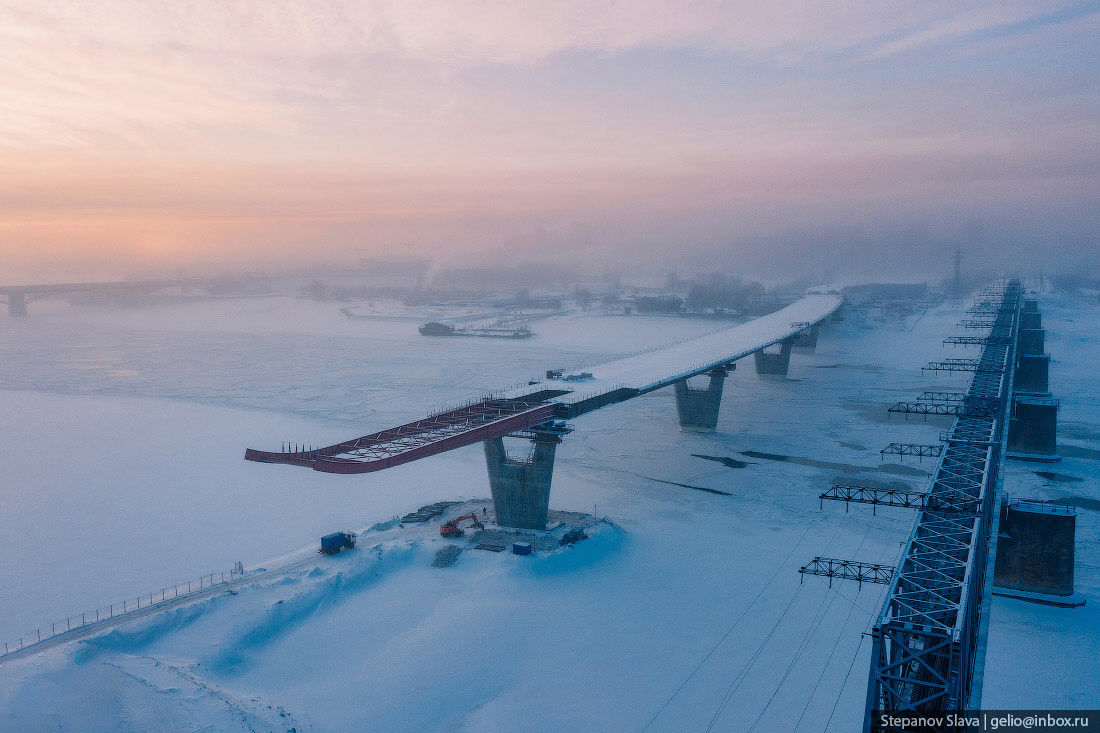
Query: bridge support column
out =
(1035, 553)
(807, 339)
(772, 364)
(1031, 341)
(1033, 429)
(521, 487)
(698, 408)
(1032, 374)
(1031, 319)
(17, 304)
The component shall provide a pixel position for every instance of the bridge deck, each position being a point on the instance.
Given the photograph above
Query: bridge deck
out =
(544, 401)
(661, 367)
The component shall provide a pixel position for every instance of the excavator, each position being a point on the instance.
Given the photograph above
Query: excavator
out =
(451, 528)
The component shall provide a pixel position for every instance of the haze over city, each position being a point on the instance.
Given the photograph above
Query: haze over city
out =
(186, 137)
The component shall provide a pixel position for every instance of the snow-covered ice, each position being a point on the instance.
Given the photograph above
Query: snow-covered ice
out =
(689, 612)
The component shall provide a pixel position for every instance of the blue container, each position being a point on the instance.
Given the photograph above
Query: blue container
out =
(331, 543)
(521, 548)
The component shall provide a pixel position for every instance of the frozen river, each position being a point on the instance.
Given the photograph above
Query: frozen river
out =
(125, 473)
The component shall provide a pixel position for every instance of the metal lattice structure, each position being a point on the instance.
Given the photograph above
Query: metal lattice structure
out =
(862, 572)
(956, 365)
(926, 637)
(973, 340)
(943, 408)
(850, 494)
(919, 450)
(434, 434)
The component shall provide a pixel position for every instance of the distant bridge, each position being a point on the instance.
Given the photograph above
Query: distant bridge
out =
(521, 488)
(19, 296)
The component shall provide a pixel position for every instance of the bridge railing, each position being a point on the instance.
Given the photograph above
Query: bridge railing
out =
(121, 608)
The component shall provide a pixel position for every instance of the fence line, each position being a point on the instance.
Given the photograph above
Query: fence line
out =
(126, 606)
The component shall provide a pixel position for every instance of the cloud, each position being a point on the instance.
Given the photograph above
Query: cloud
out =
(198, 126)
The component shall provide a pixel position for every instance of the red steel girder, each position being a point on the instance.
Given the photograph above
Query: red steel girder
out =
(430, 436)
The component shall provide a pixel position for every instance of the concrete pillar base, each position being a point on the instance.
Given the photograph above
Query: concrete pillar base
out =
(1035, 553)
(1031, 341)
(807, 339)
(521, 487)
(1032, 374)
(772, 364)
(1031, 320)
(1071, 601)
(1033, 429)
(698, 408)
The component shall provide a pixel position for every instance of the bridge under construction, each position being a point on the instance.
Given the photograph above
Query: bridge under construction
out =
(538, 411)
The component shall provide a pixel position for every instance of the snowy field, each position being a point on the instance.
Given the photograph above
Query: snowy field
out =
(125, 473)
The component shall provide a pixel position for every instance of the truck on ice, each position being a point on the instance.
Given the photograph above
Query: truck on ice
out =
(333, 543)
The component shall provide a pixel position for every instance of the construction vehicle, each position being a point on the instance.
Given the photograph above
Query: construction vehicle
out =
(333, 543)
(451, 529)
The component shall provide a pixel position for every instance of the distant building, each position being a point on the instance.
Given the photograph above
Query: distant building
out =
(658, 303)
(882, 292)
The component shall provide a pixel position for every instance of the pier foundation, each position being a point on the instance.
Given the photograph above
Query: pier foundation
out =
(1035, 553)
(1033, 428)
(1031, 341)
(807, 339)
(1032, 374)
(774, 364)
(698, 408)
(520, 487)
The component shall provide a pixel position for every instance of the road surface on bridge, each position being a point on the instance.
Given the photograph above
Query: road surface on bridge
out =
(542, 402)
(661, 367)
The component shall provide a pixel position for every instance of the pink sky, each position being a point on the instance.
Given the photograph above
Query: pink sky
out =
(142, 136)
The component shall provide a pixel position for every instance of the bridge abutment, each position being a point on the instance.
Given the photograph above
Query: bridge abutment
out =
(774, 364)
(521, 487)
(17, 305)
(698, 408)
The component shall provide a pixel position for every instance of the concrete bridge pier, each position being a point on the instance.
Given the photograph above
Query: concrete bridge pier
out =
(1031, 319)
(1031, 341)
(1035, 553)
(807, 339)
(17, 305)
(1032, 374)
(774, 364)
(698, 408)
(1033, 428)
(521, 486)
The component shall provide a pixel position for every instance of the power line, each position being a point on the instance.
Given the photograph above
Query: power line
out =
(741, 676)
(805, 640)
(815, 624)
(729, 631)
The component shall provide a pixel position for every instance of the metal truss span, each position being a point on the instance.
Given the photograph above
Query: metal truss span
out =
(434, 434)
(926, 637)
(861, 572)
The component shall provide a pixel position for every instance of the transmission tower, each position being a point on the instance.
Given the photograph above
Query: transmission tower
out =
(958, 273)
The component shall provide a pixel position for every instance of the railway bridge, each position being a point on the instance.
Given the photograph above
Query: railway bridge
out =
(928, 642)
